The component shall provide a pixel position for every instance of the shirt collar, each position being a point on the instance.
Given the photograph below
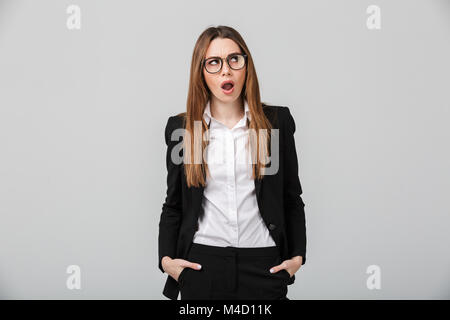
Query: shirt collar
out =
(207, 113)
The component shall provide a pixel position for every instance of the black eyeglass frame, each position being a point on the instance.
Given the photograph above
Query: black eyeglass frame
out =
(228, 61)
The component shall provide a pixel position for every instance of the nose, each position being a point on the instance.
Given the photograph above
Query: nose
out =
(225, 68)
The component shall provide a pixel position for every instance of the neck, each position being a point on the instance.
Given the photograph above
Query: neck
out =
(227, 112)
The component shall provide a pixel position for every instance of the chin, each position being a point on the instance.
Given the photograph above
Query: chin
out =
(232, 97)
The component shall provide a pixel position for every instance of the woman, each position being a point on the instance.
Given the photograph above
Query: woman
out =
(233, 224)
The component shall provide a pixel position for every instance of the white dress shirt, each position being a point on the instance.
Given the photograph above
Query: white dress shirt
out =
(231, 213)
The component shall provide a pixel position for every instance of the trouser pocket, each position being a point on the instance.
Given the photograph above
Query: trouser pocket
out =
(268, 285)
(181, 276)
(195, 284)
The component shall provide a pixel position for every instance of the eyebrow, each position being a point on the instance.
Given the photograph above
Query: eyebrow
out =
(220, 57)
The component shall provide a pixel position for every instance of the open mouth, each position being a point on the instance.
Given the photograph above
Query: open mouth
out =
(227, 87)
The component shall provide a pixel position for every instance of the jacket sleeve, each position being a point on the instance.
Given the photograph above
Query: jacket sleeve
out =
(293, 203)
(172, 208)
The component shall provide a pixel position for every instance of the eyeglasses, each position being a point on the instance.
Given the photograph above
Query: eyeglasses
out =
(236, 61)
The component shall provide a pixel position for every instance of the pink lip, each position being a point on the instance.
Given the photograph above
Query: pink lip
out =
(227, 91)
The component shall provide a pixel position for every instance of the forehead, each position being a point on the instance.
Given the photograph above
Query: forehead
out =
(222, 47)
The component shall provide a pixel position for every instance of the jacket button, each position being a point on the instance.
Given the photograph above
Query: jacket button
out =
(196, 226)
(272, 226)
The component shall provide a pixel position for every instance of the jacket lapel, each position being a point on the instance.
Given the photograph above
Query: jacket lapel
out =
(197, 195)
(257, 188)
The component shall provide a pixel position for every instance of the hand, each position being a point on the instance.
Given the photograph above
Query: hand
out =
(290, 265)
(173, 267)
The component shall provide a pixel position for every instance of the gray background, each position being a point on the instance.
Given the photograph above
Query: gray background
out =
(82, 152)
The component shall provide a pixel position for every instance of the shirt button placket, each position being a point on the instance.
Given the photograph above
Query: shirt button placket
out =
(232, 187)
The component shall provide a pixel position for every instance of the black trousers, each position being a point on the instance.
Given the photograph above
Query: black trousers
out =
(233, 273)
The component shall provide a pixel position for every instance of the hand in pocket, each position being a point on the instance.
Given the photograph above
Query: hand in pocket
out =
(174, 267)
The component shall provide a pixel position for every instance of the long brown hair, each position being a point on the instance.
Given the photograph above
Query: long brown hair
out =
(198, 96)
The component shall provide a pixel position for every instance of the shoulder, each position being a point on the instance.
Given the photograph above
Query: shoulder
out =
(174, 122)
(279, 116)
(177, 121)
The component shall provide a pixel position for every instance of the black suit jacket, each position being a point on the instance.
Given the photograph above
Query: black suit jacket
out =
(278, 197)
